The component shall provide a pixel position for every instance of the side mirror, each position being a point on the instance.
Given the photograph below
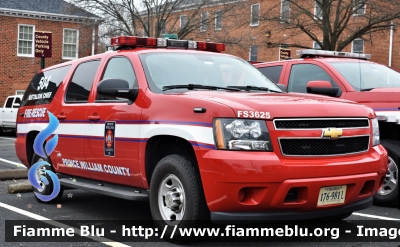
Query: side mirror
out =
(282, 87)
(16, 105)
(322, 87)
(117, 88)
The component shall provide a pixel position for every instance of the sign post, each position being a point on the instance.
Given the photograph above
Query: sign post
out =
(43, 46)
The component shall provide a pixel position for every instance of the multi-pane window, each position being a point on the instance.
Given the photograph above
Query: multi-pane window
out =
(316, 46)
(70, 44)
(317, 9)
(253, 53)
(285, 10)
(359, 7)
(182, 21)
(163, 25)
(204, 17)
(218, 20)
(26, 40)
(255, 11)
(146, 28)
(358, 46)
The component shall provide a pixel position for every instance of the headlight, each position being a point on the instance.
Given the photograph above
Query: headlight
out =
(375, 132)
(241, 134)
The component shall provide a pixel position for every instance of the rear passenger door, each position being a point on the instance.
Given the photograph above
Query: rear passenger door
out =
(113, 143)
(74, 125)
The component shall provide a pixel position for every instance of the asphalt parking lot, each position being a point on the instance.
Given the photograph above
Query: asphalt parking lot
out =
(82, 205)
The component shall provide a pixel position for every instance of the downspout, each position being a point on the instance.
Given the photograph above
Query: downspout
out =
(391, 44)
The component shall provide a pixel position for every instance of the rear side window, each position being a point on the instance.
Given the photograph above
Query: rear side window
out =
(273, 72)
(44, 86)
(17, 101)
(9, 102)
(79, 88)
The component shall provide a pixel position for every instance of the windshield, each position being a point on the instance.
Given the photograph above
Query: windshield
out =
(365, 76)
(165, 69)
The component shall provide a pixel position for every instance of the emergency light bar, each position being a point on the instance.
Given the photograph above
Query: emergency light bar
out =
(322, 53)
(134, 41)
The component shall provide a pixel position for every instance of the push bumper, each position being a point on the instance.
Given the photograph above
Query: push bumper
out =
(242, 217)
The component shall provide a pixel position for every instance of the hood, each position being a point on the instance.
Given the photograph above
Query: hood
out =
(280, 105)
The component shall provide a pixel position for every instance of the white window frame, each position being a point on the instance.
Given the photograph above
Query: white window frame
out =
(363, 46)
(33, 41)
(315, 44)
(363, 8)
(250, 52)
(315, 11)
(281, 13)
(204, 26)
(180, 21)
(251, 15)
(216, 17)
(77, 44)
(19, 92)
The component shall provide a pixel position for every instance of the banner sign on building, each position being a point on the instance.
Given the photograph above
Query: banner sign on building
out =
(284, 53)
(43, 44)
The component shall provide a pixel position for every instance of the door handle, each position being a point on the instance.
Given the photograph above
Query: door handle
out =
(61, 117)
(94, 118)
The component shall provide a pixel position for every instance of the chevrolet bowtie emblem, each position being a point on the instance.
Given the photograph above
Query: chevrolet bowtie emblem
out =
(332, 133)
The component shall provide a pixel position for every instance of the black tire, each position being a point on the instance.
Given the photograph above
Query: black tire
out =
(181, 174)
(47, 189)
(388, 194)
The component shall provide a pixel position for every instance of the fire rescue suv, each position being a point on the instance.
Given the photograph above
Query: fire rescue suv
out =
(350, 76)
(201, 135)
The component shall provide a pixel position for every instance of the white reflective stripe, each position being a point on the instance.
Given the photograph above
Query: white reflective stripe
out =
(188, 132)
(392, 116)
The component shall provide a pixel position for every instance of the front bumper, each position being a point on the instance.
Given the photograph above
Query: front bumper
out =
(252, 217)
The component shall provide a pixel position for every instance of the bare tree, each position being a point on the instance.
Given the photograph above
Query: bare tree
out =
(150, 17)
(332, 24)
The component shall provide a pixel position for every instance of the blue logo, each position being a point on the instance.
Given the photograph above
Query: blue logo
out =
(44, 151)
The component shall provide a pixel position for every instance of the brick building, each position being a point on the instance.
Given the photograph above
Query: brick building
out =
(74, 35)
(250, 37)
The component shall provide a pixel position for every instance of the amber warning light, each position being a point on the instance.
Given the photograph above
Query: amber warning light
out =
(133, 41)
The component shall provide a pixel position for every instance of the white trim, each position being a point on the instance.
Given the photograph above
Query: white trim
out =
(77, 44)
(33, 41)
(352, 43)
(216, 16)
(251, 15)
(180, 20)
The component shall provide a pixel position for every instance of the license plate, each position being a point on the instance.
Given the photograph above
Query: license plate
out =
(332, 195)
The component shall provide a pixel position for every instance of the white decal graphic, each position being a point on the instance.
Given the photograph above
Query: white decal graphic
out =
(44, 83)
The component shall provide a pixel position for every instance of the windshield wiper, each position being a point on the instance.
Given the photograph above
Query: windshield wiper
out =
(367, 89)
(248, 88)
(198, 86)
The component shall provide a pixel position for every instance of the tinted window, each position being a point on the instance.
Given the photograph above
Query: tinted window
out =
(9, 102)
(44, 86)
(301, 74)
(273, 72)
(119, 68)
(79, 87)
(17, 101)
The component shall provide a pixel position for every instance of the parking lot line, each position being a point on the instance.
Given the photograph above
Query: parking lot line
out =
(12, 162)
(375, 216)
(7, 138)
(105, 241)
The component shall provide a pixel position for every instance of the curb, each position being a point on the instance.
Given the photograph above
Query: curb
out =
(20, 187)
(13, 174)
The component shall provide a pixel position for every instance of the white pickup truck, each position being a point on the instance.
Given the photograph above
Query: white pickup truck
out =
(8, 114)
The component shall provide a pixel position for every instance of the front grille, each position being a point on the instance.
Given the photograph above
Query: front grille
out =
(324, 146)
(320, 123)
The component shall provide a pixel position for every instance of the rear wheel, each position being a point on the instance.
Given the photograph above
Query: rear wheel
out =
(388, 193)
(176, 194)
(46, 189)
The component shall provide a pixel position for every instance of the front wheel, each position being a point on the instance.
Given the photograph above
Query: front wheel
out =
(176, 193)
(46, 189)
(387, 194)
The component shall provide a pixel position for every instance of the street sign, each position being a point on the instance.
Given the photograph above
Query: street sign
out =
(283, 53)
(43, 44)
